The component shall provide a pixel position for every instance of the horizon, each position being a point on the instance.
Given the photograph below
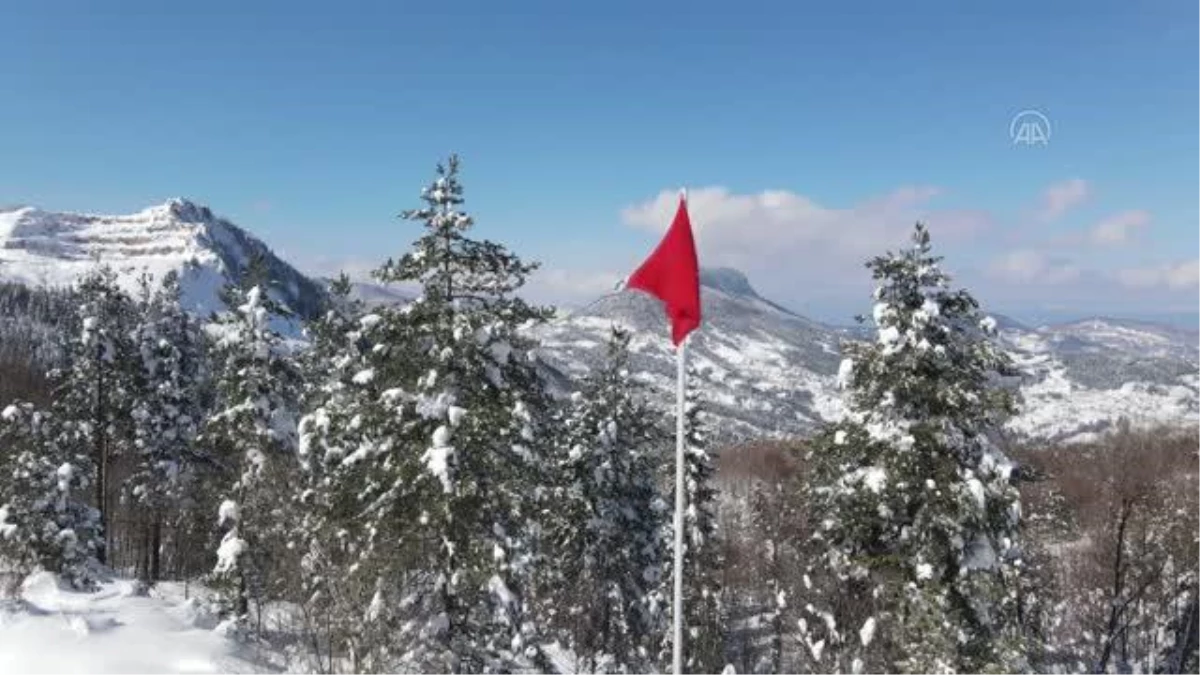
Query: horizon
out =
(808, 143)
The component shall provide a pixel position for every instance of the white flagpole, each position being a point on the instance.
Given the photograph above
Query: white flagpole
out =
(681, 402)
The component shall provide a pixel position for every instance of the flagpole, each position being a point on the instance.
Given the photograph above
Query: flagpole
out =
(680, 402)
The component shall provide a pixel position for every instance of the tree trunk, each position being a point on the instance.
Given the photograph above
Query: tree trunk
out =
(1114, 614)
(243, 599)
(155, 547)
(99, 433)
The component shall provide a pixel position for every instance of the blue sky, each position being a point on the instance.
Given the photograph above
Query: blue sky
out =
(815, 131)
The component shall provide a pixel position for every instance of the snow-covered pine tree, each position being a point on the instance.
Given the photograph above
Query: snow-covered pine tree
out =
(94, 389)
(345, 611)
(167, 411)
(253, 431)
(913, 502)
(45, 520)
(439, 471)
(703, 624)
(607, 533)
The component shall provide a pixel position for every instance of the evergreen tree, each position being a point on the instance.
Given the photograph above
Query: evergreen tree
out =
(44, 520)
(253, 431)
(441, 461)
(95, 389)
(608, 535)
(338, 578)
(167, 411)
(913, 501)
(704, 638)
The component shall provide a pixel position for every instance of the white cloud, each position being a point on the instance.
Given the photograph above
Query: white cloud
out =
(1118, 228)
(775, 228)
(1033, 267)
(569, 288)
(799, 252)
(1061, 197)
(1174, 276)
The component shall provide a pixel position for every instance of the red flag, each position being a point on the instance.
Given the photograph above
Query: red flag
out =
(672, 274)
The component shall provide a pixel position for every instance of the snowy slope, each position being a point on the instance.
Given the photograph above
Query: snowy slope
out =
(1080, 378)
(52, 629)
(770, 372)
(43, 248)
(55, 630)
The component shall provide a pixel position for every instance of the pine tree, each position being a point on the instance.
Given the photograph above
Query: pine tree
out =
(253, 431)
(339, 578)
(167, 411)
(95, 388)
(441, 460)
(704, 636)
(44, 520)
(913, 502)
(607, 537)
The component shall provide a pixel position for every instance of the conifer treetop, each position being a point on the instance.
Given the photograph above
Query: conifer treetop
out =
(931, 360)
(451, 267)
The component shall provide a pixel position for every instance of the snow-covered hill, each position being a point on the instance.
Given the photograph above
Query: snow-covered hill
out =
(1081, 377)
(770, 372)
(43, 248)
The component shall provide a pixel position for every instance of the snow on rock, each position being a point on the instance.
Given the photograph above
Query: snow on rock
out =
(57, 630)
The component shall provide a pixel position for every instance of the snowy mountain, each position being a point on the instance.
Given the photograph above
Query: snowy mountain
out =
(765, 369)
(43, 248)
(770, 372)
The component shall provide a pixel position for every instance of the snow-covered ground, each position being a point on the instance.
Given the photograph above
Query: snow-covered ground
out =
(51, 629)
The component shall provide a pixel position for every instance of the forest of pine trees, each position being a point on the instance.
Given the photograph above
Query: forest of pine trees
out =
(406, 481)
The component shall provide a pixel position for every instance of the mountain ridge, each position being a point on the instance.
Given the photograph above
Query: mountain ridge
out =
(55, 249)
(767, 370)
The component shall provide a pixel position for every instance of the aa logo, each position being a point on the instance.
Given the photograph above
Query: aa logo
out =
(1029, 127)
